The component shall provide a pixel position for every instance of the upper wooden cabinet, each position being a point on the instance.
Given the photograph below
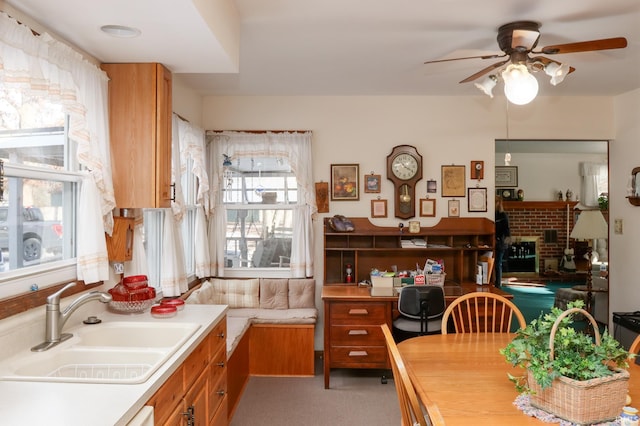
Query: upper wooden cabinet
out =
(140, 134)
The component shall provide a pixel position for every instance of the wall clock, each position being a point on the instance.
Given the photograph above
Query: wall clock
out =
(404, 169)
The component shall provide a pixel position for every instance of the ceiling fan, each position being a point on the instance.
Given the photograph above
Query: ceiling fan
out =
(517, 40)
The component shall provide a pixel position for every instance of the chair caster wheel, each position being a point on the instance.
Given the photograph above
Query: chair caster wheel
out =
(383, 380)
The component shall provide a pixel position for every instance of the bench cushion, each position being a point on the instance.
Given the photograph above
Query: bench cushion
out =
(302, 293)
(274, 293)
(235, 293)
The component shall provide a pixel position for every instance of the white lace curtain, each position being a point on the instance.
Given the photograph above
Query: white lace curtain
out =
(589, 173)
(42, 66)
(296, 148)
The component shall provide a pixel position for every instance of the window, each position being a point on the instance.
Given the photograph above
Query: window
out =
(258, 196)
(37, 211)
(262, 199)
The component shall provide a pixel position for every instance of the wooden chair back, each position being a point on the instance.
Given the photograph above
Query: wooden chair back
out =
(482, 312)
(410, 407)
(635, 346)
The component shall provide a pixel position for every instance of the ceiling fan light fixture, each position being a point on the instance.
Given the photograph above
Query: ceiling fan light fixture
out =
(120, 31)
(557, 72)
(520, 87)
(487, 85)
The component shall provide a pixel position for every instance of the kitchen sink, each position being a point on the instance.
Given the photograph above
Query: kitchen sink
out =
(111, 352)
(135, 334)
(91, 366)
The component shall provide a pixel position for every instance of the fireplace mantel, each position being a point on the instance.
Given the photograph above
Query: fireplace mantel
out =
(545, 205)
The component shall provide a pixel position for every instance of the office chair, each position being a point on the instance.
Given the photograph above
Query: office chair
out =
(421, 309)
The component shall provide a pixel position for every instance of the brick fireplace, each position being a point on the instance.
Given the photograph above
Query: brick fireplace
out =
(545, 224)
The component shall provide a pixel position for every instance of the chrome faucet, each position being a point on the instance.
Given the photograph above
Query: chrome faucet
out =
(56, 319)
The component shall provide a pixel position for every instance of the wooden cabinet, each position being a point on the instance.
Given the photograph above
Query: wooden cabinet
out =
(459, 242)
(120, 243)
(196, 393)
(352, 333)
(140, 134)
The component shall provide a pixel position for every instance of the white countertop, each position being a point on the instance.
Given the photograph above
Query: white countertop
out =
(71, 404)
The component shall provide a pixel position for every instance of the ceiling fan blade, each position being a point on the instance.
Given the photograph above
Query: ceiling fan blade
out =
(484, 71)
(524, 38)
(547, 61)
(586, 46)
(497, 55)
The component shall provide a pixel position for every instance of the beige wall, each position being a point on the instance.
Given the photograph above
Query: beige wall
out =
(624, 155)
(446, 130)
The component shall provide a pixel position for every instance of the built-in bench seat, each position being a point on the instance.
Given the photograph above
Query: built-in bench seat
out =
(270, 327)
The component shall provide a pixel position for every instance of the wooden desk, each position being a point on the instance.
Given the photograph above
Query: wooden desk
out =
(466, 377)
(352, 318)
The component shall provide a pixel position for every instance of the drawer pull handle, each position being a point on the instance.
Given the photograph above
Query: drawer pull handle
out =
(358, 332)
(220, 364)
(358, 353)
(358, 312)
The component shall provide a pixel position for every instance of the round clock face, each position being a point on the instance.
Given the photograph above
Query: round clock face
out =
(506, 194)
(404, 166)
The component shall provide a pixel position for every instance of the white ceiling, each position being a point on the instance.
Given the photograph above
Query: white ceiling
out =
(346, 47)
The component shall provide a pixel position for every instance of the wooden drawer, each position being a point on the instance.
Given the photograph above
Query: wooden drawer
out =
(357, 335)
(358, 313)
(359, 356)
(218, 365)
(196, 363)
(217, 394)
(218, 336)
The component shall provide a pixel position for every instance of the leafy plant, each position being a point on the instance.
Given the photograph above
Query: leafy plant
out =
(575, 353)
(603, 202)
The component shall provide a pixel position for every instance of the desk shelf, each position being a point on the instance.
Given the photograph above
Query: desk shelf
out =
(459, 242)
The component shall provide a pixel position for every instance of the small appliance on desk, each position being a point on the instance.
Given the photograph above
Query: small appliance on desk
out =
(382, 286)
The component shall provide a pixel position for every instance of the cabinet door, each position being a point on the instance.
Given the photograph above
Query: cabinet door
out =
(196, 400)
(140, 134)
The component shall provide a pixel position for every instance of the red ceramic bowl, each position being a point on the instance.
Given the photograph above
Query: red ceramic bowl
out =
(163, 311)
(178, 303)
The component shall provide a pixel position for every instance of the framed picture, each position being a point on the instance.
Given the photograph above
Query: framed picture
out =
(477, 199)
(378, 208)
(454, 208)
(372, 183)
(506, 176)
(432, 186)
(428, 207)
(344, 182)
(453, 181)
(477, 169)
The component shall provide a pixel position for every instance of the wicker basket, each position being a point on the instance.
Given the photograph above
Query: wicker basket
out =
(581, 402)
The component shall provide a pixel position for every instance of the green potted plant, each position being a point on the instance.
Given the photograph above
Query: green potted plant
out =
(568, 373)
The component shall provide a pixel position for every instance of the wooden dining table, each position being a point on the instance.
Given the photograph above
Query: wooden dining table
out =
(466, 377)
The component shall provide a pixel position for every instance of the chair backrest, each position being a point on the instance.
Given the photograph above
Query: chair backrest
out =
(482, 312)
(635, 346)
(414, 300)
(410, 407)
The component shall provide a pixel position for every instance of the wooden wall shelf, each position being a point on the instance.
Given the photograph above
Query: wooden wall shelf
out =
(459, 242)
(634, 200)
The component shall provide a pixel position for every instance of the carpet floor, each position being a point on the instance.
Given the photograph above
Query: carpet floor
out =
(356, 397)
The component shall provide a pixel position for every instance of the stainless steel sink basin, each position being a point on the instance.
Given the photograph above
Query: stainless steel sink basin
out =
(135, 334)
(112, 352)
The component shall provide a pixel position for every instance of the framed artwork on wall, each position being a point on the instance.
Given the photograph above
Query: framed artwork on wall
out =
(345, 182)
(378, 208)
(453, 181)
(477, 169)
(428, 207)
(477, 199)
(506, 176)
(432, 186)
(454, 208)
(372, 183)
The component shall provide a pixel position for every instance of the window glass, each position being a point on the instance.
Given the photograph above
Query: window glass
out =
(37, 210)
(258, 197)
